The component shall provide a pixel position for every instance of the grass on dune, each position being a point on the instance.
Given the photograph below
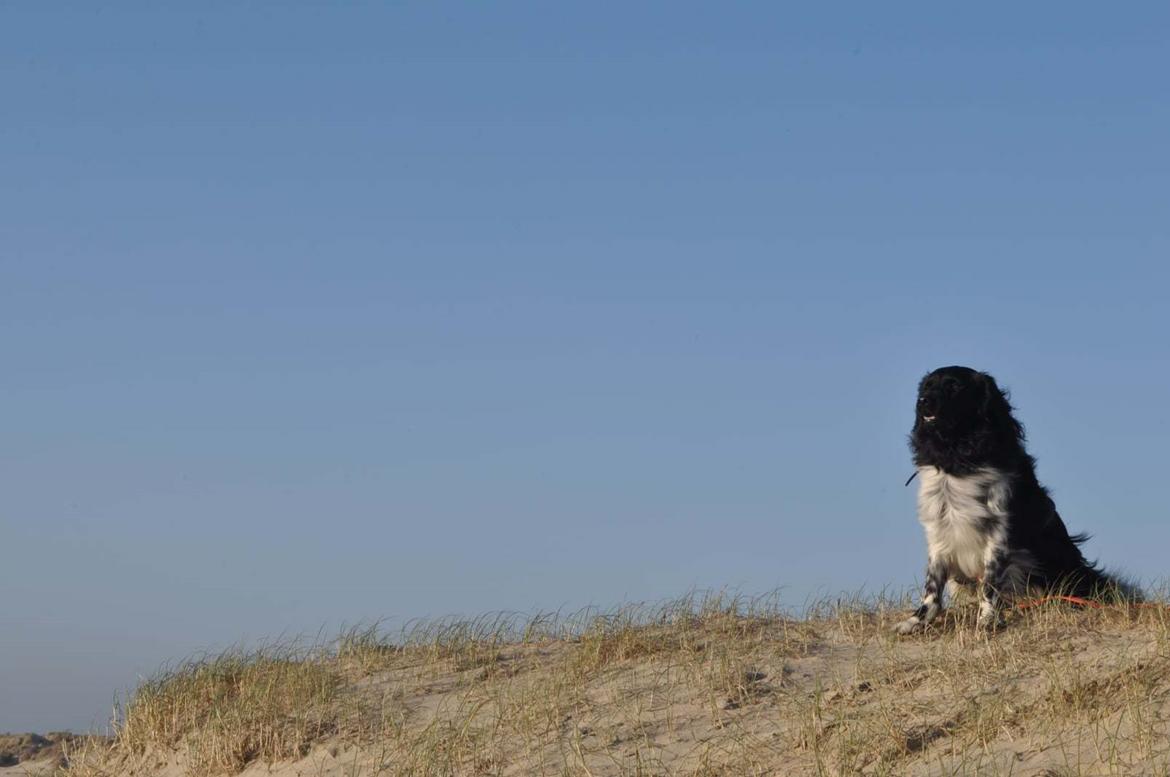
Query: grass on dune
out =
(708, 684)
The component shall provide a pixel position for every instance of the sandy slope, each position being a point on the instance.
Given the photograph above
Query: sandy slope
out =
(28, 754)
(1058, 692)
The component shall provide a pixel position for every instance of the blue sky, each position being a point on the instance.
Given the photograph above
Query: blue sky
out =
(311, 315)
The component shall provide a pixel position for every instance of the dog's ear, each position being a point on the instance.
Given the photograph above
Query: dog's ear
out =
(996, 408)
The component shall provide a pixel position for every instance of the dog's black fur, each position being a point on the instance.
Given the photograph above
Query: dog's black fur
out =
(967, 438)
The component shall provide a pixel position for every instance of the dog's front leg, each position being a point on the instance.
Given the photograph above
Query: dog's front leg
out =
(995, 576)
(932, 600)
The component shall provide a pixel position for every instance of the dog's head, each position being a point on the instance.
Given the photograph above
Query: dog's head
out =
(958, 401)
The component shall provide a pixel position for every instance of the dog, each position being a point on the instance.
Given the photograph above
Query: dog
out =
(988, 520)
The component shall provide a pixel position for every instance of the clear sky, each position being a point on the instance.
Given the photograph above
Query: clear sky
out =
(311, 315)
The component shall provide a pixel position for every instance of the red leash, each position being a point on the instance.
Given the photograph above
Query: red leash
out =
(1081, 602)
(1077, 600)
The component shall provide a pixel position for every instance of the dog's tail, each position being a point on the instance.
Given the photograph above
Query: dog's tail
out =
(1089, 581)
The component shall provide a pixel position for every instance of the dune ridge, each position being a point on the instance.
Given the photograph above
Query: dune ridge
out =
(710, 684)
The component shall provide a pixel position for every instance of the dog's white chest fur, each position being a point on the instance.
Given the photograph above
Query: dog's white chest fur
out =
(965, 517)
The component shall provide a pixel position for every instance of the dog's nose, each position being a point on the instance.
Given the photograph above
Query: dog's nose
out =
(928, 407)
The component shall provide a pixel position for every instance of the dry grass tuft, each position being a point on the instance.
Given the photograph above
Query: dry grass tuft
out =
(226, 711)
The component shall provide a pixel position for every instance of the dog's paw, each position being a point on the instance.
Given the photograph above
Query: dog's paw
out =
(990, 616)
(990, 622)
(909, 626)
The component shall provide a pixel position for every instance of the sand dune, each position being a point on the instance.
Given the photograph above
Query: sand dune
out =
(698, 687)
(27, 754)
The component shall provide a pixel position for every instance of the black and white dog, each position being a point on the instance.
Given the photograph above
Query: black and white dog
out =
(987, 519)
